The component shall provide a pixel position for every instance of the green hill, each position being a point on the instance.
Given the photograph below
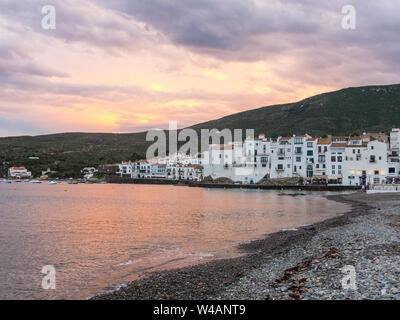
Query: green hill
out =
(347, 111)
(372, 108)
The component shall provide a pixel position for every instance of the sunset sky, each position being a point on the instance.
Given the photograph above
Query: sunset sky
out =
(133, 65)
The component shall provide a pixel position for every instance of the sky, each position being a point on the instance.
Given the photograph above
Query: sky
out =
(134, 65)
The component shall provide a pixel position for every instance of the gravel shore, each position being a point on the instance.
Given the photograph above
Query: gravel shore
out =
(299, 264)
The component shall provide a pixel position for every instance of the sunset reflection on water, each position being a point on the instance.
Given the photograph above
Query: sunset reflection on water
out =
(99, 236)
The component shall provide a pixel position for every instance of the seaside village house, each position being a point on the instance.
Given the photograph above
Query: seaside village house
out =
(365, 160)
(339, 160)
(175, 167)
(19, 173)
(88, 172)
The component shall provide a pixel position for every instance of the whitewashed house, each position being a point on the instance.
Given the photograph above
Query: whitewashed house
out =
(393, 156)
(366, 162)
(19, 172)
(88, 172)
(125, 169)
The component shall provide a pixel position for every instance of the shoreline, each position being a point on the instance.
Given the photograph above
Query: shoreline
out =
(196, 184)
(274, 267)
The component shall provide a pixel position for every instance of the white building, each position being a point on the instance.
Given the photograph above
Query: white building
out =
(161, 170)
(125, 169)
(340, 160)
(19, 172)
(88, 172)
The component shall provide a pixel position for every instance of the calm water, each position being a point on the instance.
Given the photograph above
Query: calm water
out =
(99, 236)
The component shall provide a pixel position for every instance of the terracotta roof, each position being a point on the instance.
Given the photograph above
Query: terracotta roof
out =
(196, 166)
(324, 141)
(224, 147)
(338, 145)
(17, 168)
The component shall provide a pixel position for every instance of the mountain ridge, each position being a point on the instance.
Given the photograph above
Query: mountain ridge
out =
(346, 111)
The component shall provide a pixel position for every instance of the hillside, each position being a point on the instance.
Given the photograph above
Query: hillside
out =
(347, 111)
(372, 108)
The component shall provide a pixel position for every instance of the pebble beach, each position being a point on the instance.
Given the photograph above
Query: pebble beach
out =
(297, 264)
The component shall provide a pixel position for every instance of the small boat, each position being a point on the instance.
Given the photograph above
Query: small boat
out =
(72, 182)
(35, 181)
(52, 182)
(7, 181)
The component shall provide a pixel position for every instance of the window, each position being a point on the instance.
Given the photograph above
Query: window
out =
(310, 153)
(372, 147)
(298, 150)
(298, 159)
(392, 170)
(354, 150)
(333, 159)
(376, 172)
(323, 166)
(298, 140)
(333, 167)
(319, 149)
(339, 158)
(317, 165)
(372, 158)
(333, 171)
(309, 144)
(288, 166)
(280, 166)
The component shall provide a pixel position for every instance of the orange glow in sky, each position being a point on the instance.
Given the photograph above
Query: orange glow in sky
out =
(130, 66)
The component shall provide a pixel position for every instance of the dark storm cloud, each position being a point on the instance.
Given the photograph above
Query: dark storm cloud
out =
(260, 30)
(76, 21)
